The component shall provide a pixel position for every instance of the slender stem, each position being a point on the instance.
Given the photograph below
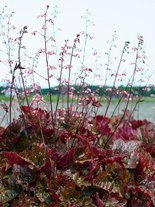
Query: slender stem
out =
(124, 114)
(60, 82)
(19, 64)
(47, 65)
(69, 76)
(113, 87)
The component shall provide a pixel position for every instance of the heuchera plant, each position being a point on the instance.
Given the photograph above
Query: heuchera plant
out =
(75, 166)
(72, 156)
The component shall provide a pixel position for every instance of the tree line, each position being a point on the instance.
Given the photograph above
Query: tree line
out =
(101, 91)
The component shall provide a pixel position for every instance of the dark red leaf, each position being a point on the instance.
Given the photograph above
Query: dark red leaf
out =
(53, 154)
(27, 110)
(102, 123)
(88, 133)
(99, 202)
(65, 160)
(101, 119)
(48, 132)
(151, 150)
(136, 123)
(14, 158)
(46, 169)
(54, 195)
(126, 133)
(119, 159)
(83, 139)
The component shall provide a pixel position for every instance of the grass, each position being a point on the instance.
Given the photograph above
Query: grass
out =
(147, 99)
(4, 98)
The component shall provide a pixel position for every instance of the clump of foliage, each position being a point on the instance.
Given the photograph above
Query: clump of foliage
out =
(70, 156)
(73, 164)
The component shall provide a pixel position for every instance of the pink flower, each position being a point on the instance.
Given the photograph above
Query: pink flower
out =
(51, 53)
(30, 71)
(33, 33)
(51, 67)
(38, 98)
(10, 62)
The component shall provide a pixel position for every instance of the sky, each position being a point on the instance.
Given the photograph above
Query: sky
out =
(129, 18)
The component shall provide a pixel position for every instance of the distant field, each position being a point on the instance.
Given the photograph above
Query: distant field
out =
(47, 98)
(54, 99)
(143, 99)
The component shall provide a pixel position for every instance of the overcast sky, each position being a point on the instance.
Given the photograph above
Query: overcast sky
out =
(128, 17)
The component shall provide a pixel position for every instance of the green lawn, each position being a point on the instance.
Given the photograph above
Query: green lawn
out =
(4, 98)
(143, 99)
(54, 99)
